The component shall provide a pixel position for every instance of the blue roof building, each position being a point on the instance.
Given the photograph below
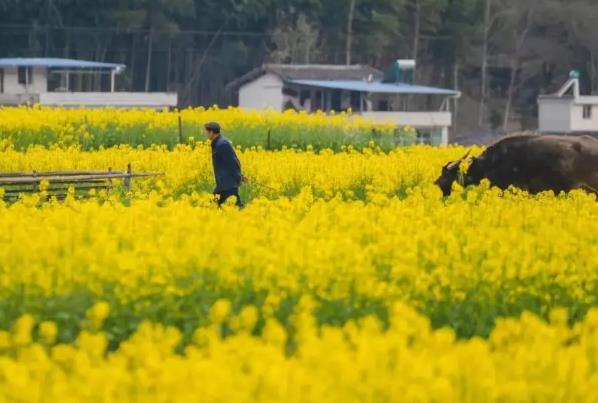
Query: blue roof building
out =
(71, 83)
(55, 63)
(392, 98)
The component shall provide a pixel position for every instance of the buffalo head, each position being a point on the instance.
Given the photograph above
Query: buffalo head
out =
(449, 175)
(476, 172)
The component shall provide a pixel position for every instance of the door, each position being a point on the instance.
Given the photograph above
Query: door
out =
(336, 101)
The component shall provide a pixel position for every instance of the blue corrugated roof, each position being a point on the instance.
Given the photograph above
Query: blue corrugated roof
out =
(56, 63)
(375, 87)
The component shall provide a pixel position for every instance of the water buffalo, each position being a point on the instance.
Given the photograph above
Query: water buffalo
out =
(534, 163)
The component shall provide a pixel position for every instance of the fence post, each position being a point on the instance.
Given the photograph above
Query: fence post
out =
(33, 185)
(127, 180)
(181, 138)
(269, 143)
(86, 127)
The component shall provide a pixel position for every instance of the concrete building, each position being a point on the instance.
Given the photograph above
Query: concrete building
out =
(392, 98)
(71, 83)
(567, 111)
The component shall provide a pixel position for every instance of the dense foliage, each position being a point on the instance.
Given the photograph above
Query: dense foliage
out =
(500, 53)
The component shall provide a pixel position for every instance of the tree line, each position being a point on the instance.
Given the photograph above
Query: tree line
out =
(500, 53)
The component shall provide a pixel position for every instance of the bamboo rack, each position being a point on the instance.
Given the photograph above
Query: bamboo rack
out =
(15, 183)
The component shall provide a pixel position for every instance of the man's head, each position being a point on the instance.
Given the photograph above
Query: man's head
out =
(449, 175)
(212, 130)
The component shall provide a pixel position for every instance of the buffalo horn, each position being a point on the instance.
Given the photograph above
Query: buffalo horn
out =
(458, 162)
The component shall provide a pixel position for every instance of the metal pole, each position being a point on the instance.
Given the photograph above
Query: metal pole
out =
(456, 104)
(27, 80)
(112, 80)
(181, 139)
(361, 102)
(268, 141)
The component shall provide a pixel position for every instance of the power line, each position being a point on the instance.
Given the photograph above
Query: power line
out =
(131, 30)
(119, 30)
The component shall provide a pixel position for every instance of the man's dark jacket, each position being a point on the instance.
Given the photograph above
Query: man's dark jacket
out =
(227, 167)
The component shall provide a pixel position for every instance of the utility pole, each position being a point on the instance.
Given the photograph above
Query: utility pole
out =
(456, 100)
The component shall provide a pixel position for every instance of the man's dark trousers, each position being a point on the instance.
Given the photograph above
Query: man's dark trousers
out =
(224, 196)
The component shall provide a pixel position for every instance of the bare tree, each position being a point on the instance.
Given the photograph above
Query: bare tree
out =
(579, 17)
(148, 66)
(522, 28)
(299, 43)
(416, 27)
(424, 19)
(484, 82)
(493, 16)
(349, 44)
(199, 63)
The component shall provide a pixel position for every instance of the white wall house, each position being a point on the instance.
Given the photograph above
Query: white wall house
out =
(71, 83)
(265, 92)
(567, 111)
(394, 99)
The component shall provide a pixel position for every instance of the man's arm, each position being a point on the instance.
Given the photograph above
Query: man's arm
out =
(229, 157)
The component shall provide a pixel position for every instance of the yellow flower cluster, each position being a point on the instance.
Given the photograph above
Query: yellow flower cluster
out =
(25, 126)
(524, 359)
(32, 119)
(346, 278)
(272, 174)
(418, 249)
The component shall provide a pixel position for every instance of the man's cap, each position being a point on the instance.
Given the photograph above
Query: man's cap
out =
(213, 126)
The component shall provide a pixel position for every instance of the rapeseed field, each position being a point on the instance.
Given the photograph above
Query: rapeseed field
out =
(95, 128)
(347, 277)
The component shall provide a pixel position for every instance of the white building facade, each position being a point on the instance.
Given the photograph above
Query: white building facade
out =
(567, 111)
(265, 92)
(393, 99)
(71, 83)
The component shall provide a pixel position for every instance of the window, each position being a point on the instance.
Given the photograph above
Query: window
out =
(356, 101)
(25, 75)
(318, 101)
(304, 96)
(290, 92)
(587, 111)
(424, 137)
(336, 101)
(305, 100)
(383, 105)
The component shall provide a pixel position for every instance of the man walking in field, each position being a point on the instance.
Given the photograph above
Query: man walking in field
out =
(227, 168)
